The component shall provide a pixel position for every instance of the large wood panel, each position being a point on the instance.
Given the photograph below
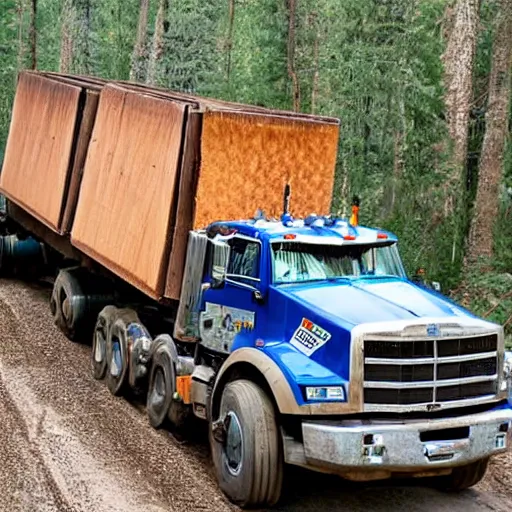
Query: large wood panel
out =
(247, 159)
(87, 118)
(40, 146)
(186, 205)
(127, 195)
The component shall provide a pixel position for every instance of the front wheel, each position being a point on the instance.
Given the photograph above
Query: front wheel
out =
(463, 477)
(247, 455)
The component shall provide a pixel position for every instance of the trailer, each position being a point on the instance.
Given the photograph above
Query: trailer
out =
(186, 251)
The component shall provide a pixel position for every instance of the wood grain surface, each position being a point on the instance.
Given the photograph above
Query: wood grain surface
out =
(246, 160)
(128, 187)
(39, 147)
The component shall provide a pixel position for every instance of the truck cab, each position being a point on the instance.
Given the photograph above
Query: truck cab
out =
(361, 372)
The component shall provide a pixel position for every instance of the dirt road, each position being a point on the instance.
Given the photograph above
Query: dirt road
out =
(67, 445)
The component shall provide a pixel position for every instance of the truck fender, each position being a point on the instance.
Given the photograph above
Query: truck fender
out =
(282, 393)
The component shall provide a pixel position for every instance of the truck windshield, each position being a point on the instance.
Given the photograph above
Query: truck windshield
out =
(295, 262)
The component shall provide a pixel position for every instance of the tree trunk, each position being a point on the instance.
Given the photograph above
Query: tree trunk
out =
(20, 9)
(490, 172)
(66, 38)
(82, 50)
(458, 61)
(230, 38)
(399, 151)
(33, 34)
(316, 74)
(157, 50)
(292, 73)
(139, 51)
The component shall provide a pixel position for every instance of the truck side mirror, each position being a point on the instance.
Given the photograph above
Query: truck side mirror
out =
(220, 262)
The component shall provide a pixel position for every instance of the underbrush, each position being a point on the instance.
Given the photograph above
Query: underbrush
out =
(488, 294)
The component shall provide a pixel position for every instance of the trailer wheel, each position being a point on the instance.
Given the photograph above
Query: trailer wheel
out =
(117, 350)
(248, 455)
(99, 342)
(463, 477)
(67, 305)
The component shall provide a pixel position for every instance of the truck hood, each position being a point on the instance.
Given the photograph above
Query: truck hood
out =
(315, 322)
(372, 300)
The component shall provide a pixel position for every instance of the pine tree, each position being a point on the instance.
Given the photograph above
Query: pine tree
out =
(33, 34)
(157, 50)
(139, 58)
(490, 174)
(66, 39)
(459, 61)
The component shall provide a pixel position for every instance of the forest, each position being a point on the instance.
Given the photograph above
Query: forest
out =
(422, 88)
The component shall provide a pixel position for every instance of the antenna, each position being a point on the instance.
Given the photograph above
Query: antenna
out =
(287, 194)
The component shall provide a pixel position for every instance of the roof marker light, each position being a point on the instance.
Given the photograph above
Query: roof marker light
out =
(349, 237)
(382, 236)
(290, 236)
(354, 218)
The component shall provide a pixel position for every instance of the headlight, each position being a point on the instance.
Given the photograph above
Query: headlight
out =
(507, 371)
(326, 393)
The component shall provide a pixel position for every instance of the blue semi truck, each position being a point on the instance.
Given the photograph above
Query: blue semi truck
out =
(300, 341)
(312, 348)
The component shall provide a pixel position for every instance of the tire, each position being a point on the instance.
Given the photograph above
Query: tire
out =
(252, 474)
(162, 384)
(99, 342)
(117, 351)
(68, 305)
(462, 477)
(77, 298)
(162, 408)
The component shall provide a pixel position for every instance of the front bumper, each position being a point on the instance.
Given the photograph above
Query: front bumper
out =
(386, 447)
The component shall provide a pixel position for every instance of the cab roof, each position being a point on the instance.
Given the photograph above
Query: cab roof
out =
(317, 230)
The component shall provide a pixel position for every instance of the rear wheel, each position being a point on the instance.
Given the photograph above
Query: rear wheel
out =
(161, 389)
(99, 342)
(68, 305)
(117, 350)
(246, 446)
(161, 405)
(462, 477)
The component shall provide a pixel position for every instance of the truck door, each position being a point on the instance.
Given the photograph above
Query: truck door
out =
(229, 314)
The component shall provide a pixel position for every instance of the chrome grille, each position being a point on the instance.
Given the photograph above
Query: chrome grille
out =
(432, 371)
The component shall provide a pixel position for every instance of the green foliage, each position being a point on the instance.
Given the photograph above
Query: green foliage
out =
(489, 294)
(8, 66)
(375, 64)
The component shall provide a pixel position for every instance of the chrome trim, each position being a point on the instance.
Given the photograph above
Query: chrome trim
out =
(241, 276)
(487, 399)
(428, 383)
(449, 327)
(430, 360)
(242, 285)
(385, 447)
(436, 355)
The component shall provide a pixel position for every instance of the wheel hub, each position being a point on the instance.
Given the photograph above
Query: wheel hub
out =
(157, 396)
(233, 448)
(99, 349)
(116, 363)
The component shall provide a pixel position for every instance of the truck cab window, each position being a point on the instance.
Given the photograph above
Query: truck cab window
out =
(296, 262)
(244, 261)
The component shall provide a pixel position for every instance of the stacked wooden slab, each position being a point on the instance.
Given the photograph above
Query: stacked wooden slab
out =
(127, 176)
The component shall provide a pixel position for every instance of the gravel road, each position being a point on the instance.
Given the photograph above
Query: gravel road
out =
(67, 445)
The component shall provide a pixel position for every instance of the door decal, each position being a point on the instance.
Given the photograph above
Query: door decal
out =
(219, 325)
